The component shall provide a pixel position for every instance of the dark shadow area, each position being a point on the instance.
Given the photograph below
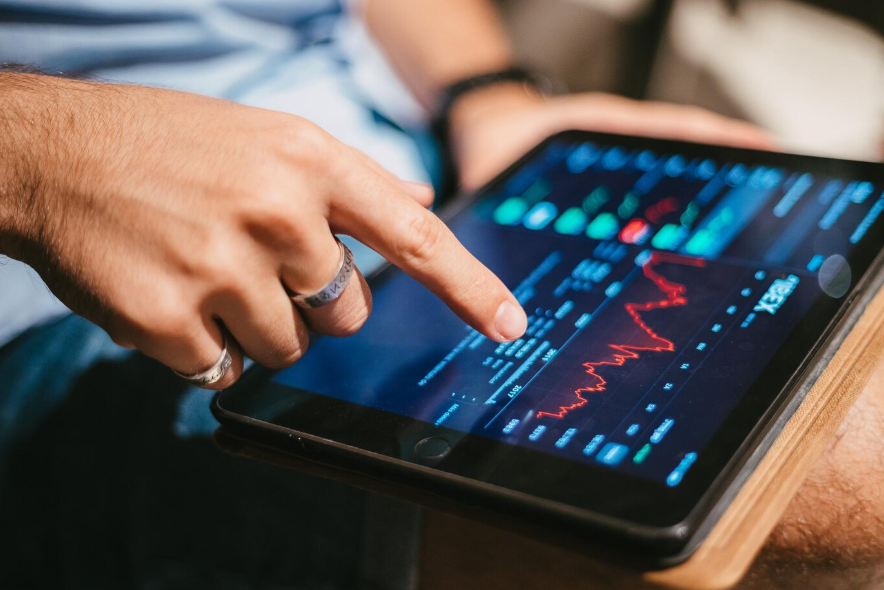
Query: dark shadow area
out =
(103, 493)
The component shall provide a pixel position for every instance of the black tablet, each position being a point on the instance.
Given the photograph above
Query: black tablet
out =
(681, 298)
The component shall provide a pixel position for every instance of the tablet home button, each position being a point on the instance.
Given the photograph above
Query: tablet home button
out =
(432, 448)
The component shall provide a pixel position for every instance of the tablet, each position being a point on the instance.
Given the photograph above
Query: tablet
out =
(679, 297)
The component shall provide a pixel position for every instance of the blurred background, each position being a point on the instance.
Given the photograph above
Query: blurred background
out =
(811, 72)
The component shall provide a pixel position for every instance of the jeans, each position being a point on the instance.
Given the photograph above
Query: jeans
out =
(109, 479)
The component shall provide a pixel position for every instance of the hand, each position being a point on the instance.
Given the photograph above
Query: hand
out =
(836, 520)
(491, 128)
(169, 219)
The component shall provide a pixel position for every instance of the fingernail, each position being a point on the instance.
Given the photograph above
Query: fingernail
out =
(510, 321)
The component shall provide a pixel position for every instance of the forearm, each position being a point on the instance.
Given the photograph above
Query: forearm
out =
(433, 44)
(43, 122)
(53, 132)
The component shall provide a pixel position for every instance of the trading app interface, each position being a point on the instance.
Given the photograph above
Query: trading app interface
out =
(657, 287)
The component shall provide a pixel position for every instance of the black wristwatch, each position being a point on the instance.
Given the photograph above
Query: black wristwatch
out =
(451, 94)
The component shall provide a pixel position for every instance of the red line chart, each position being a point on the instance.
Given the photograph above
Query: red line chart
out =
(674, 296)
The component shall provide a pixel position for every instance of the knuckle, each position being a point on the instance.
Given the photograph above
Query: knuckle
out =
(174, 325)
(206, 255)
(306, 142)
(282, 357)
(419, 236)
(270, 222)
(219, 259)
(352, 322)
(167, 318)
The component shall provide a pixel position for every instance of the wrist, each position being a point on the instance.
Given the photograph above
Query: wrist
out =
(472, 109)
(482, 117)
(467, 107)
(22, 127)
(47, 133)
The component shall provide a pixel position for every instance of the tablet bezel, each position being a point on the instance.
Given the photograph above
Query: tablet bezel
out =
(636, 510)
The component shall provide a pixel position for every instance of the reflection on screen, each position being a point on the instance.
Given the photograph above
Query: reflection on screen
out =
(657, 287)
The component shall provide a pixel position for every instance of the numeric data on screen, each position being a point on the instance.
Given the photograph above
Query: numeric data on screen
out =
(658, 287)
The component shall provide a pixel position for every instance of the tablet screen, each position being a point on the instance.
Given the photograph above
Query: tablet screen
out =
(658, 284)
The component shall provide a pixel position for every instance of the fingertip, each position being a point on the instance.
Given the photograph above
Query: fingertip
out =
(768, 143)
(759, 140)
(746, 135)
(510, 322)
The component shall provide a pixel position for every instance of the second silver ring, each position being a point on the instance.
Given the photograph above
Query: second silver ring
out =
(335, 287)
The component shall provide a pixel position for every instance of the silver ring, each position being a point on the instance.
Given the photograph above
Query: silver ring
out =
(214, 373)
(335, 287)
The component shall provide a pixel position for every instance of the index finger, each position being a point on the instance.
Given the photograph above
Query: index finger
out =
(380, 213)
